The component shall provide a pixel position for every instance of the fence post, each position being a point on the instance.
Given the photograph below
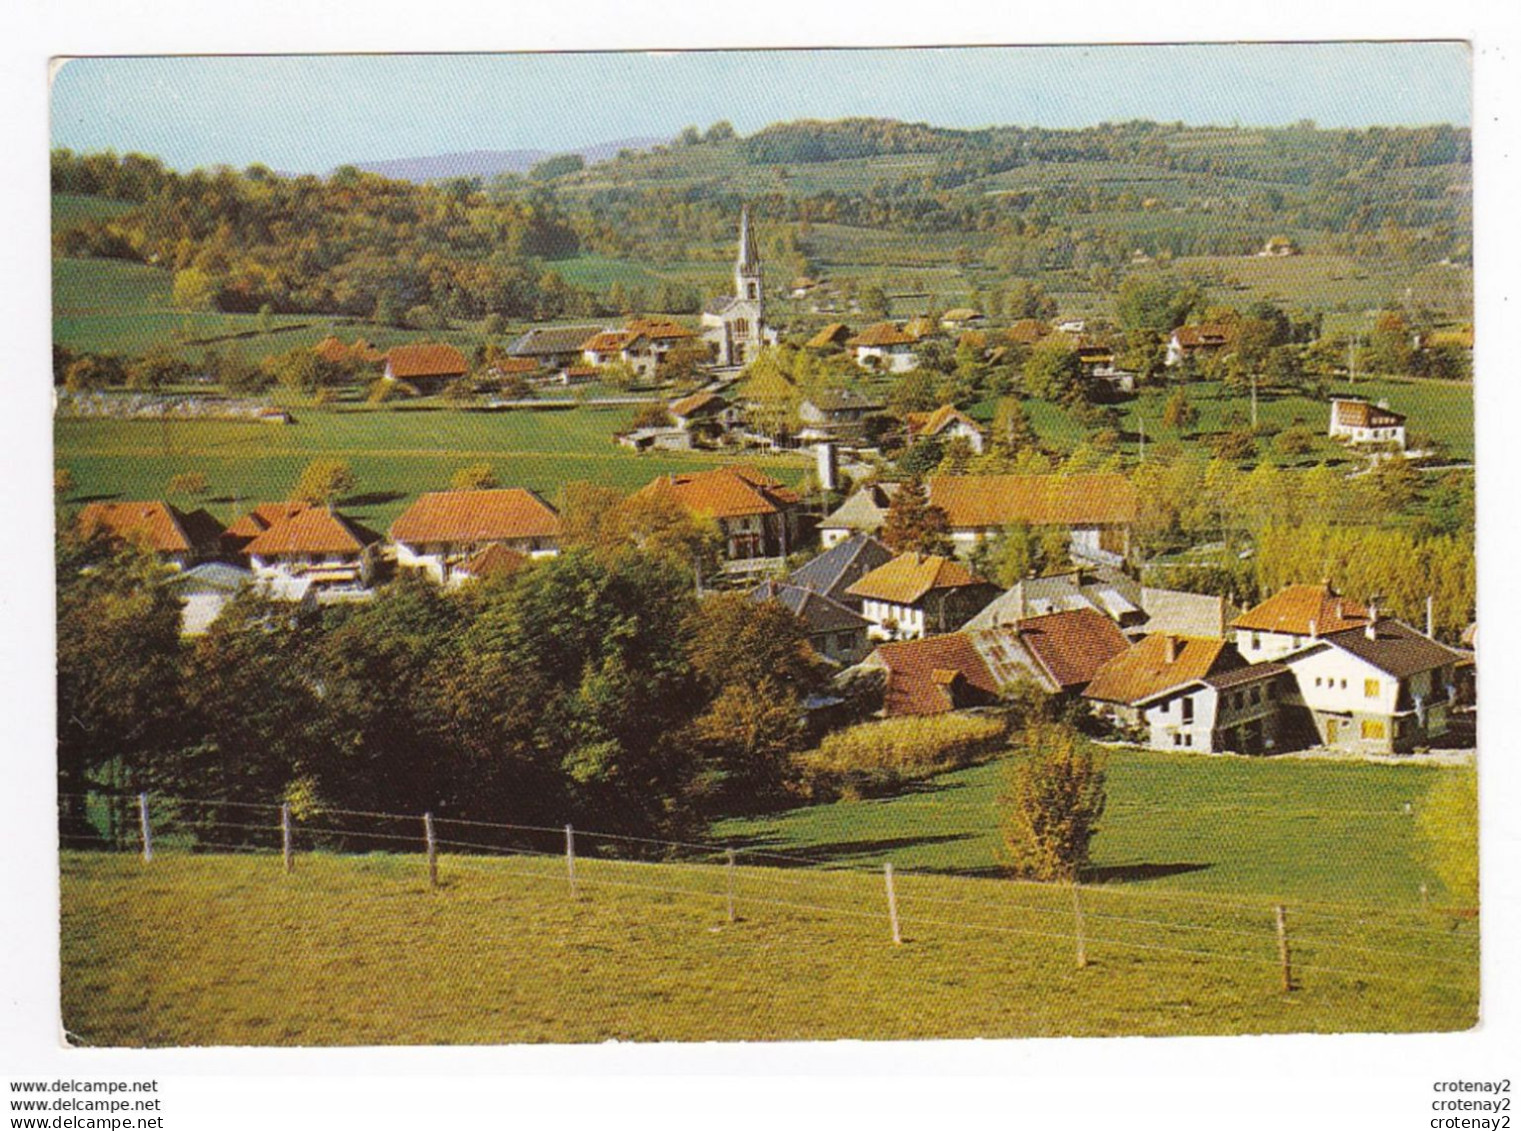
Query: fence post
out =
(1283, 948)
(147, 827)
(286, 848)
(1425, 898)
(570, 859)
(729, 881)
(892, 903)
(1077, 920)
(432, 850)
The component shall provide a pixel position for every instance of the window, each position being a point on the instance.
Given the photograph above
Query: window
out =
(1373, 728)
(1344, 685)
(1271, 692)
(1188, 740)
(741, 327)
(1188, 708)
(1177, 740)
(1370, 688)
(1256, 642)
(1317, 681)
(1256, 696)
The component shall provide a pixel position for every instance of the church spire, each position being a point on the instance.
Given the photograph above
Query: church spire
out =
(748, 260)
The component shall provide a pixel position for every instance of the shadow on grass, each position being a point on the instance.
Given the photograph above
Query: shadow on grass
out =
(94, 498)
(775, 853)
(1132, 873)
(372, 499)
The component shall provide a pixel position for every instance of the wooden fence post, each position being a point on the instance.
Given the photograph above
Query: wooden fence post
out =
(892, 903)
(1283, 948)
(287, 849)
(146, 826)
(432, 850)
(570, 859)
(1077, 921)
(729, 881)
(1425, 898)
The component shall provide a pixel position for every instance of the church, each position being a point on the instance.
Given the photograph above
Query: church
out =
(735, 324)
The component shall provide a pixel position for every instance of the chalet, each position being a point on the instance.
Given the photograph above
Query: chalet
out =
(1098, 509)
(1379, 688)
(1292, 617)
(918, 595)
(863, 512)
(319, 545)
(444, 529)
(836, 632)
(177, 538)
(707, 414)
(756, 515)
(1360, 422)
(428, 368)
(962, 318)
(836, 413)
(886, 347)
(834, 571)
(831, 337)
(607, 346)
(1191, 693)
(802, 287)
(1135, 608)
(945, 423)
(1190, 341)
(1278, 246)
(553, 347)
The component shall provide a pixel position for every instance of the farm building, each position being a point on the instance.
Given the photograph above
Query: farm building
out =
(885, 346)
(1360, 422)
(945, 423)
(918, 595)
(319, 545)
(1098, 509)
(836, 632)
(1137, 609)
(756, 515)
(426, 368)
(1290, 618)
(443, 529)
(177, 538)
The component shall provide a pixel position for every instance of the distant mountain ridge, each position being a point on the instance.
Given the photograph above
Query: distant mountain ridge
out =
(488, 163)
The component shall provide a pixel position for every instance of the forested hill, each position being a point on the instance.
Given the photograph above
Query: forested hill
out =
(1013, 201)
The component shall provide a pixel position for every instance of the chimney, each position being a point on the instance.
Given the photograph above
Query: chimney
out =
(1341, 610)
(1314, 630)
(1430, 616)
(1170, 643)
(1372, 630)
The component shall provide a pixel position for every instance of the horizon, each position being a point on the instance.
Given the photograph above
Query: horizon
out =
(311, 114)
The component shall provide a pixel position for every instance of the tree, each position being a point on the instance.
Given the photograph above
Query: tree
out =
(63, 482)
(1389, 345)
(323, 481)
(1178, 414)
(476, 477)
(912, 525)
(187, 483)
(1053, 372)
(1155, 304)
(193, 290)
(155, 369)
(1448, 825)
(875, 303)
(1012, 429)
(650, 415)
(561, 166)
(1051, 803)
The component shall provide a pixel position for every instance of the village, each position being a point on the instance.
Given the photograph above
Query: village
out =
(891, 595)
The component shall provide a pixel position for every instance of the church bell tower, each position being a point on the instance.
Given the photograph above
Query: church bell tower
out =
(747, 268)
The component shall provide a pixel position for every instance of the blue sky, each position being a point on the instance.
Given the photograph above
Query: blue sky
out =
(310, 113)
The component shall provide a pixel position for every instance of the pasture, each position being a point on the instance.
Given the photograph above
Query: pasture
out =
(395, 454)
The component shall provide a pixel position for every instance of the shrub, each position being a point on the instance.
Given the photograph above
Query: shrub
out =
(874, 758)
(1050, 805)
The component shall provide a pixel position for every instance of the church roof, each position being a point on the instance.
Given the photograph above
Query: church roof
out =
(748, 260)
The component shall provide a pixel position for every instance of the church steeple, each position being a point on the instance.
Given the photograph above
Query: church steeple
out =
(747, 268)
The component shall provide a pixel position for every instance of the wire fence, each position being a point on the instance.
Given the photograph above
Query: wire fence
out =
(1289, 942)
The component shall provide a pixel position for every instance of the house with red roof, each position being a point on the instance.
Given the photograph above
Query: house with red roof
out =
(1359, 421)
(442, 530)
(886, 347)
(317, 544)
(933, 675)
(945, 423)
(177, 538)
(427, 367)
(757, 516)
(1292, 617)
(1097, 509)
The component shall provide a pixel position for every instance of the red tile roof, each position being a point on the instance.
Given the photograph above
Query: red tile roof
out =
(151, 524)
(427, 360)
(1144, 669)
(1206, 334)
(1072, 645)
(312, 530)
(495, 560)
(726, 492)
(882, 334)
(908, 578)
(1291, 610)
(917, 672)
(698, 402)
(659, 329)
(608, 341)
(932, 423)
(261, 518)
(984, 501)
(476, 516)
(1361, 414)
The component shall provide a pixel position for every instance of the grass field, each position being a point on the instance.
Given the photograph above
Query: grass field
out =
(395, 455)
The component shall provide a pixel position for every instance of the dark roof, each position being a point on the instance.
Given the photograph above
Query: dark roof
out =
(1249, 674)
(818, 612)
(1395, 648)
(841, 566)
(549, 340)
(844, 400)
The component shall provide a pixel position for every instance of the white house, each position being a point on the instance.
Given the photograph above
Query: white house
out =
(318, 544)
(917, 595)
(1380, 688)
(1239, 710)
(442, 529)
(945, 423)
(1098, 510)
(1291, 618)
(863, 513)
(1360, 422)
(885, 347)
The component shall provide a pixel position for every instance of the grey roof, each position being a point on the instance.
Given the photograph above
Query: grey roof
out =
(212, 577)
(820, 613)
(1249, 674)
(841, 566)
(1185, 614)
(1395, 648)
(1108, 591)
(546, 341)
(865, 510)
(719, 304)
